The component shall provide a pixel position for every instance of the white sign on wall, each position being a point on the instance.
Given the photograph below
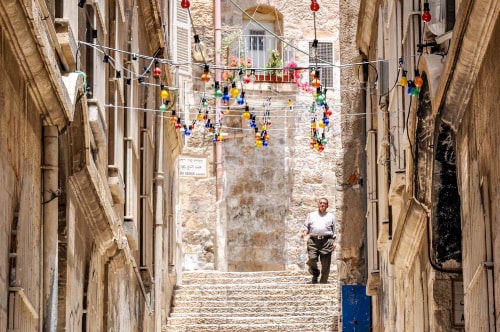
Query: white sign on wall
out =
(192, 167)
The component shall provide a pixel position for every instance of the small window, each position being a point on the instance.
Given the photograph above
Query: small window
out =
(324, 62)
(256, 40)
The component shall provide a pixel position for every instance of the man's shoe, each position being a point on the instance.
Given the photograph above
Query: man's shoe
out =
(314, 280)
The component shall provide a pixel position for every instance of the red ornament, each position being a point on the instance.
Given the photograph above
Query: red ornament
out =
(246, 79)
(426, 15)
(314, 5)
(185, 4)
(157, 72)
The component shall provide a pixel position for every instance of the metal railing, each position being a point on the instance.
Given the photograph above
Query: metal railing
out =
(264, 58)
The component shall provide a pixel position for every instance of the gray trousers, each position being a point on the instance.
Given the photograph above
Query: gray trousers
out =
(320, 250)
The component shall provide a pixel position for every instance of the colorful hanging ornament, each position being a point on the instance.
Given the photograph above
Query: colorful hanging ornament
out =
(246, 113)
(246, 79)
(205, 77)
(225, 95)
(164, 93)
(418, 81)
(178, 124)
(314, 5)
(426, 15)
(404, 80)
(316, 82)
(173, 117)
(320, 97)
(234, 90)
(157, 70)
(218, 92)
(241, 99)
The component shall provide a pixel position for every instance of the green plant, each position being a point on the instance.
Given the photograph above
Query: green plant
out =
(274, 61)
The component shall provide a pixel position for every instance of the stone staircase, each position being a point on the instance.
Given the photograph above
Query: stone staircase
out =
(210, 301)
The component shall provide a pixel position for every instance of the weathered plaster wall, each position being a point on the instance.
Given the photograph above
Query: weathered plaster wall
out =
(268, 191)
(350, 210)
(478, 157)
(20, 184)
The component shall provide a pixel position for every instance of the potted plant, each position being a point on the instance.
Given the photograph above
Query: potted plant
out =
(236, 63)
(275, 61)
(292, 72)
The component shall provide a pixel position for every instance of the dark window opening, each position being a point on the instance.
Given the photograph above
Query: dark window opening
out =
(324, 60)
(447, 232)
(256, 40)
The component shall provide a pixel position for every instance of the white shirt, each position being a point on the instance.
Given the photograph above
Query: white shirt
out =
(317, 224)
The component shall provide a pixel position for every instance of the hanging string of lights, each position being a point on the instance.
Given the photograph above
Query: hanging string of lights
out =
(319, 110)
(137, 56)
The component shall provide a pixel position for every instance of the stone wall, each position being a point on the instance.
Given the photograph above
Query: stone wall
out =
(478, 157)
(268, 190)
(350, 210)
(20, 190)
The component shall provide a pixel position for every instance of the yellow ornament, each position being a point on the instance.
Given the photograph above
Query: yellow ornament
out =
(164, 94)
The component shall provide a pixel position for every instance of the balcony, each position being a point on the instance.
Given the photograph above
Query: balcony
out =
(264, 58)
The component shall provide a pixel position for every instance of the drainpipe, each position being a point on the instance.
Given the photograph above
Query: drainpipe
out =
(221, 262)
(158, 231)
(218, 145)
(50, 225)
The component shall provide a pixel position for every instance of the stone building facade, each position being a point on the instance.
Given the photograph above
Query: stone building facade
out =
(87, 162)
(431, 170)
(245, 212)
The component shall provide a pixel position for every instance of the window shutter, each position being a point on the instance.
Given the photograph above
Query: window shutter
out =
(182, 36)
(325, 54)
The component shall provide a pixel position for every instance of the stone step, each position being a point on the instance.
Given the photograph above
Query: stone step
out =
(276, 298)
(276, 320)
(275, 305)
(196, 278)
(305, 284)
(254, 294)
(302, 327)
(243, 312)
(207, 274)
(267, 301)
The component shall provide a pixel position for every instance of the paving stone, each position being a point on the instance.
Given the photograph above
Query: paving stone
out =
(267, 301)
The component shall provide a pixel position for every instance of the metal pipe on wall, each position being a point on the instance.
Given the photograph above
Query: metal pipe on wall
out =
(221, 260)
(50, 222)
(158, 228)
(218, 145)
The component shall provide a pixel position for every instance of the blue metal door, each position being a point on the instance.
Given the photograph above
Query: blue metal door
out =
(355, 309)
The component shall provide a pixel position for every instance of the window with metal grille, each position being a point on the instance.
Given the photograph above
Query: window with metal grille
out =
(256, 40)
(324, 63)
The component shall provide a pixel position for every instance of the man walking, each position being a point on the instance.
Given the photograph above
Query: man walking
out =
(320, 225)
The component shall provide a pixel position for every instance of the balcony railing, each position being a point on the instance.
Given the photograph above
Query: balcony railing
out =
(264, 58)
